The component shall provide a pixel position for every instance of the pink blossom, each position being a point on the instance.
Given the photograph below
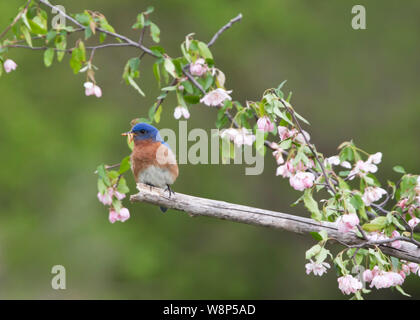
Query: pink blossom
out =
(92, 89)
(122, 215)
(216, 97)
(181, 112)
(348, 284)
(414, 267)
(372, 194)
(105, 198)
(347, 222)
(302, 180)
(361, 168)
(402, 203)
(238, 136)
(317, 268)
(278, 155)
(334, 160)
(284, 133)
(265, 124)
(9, 65)
(285, 170)
(396, 244)
(413, 222)
(386, 279)
(367, 275)
(375, 158)
(406, 269)
(119, 195)
(301, 139)
(346, 164)
(244, 137)
(198, 68)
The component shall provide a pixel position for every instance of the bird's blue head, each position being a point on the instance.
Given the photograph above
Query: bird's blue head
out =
(144, 131)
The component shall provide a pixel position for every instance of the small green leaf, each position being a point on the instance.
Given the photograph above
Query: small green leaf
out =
(125, 165)
(313, 251)
(135, 85)
(48, 56)
(204, 50)
(154, 32)
(311, 205)
(170, 67)
(399, 169)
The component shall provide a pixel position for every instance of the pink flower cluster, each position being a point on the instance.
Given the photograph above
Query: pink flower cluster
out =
(362, 168)
(181, 112)
(121, 215)
(285, 133)
(347, 222)
(198, 68)
(92, 89)
(106, 198)
(265, 124)
(239, 137)
(349, 284)
(216, 97)
(317, 268)
(379, 236)
(9, 65)
(383, 279)
(372, 194)
(299, 179)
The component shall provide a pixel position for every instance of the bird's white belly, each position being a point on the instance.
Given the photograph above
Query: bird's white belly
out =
(156, 176)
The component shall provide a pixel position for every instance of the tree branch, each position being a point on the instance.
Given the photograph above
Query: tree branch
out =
(196, 206)
(223, 29)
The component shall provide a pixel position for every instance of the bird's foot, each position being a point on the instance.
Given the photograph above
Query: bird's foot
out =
(170, 191)
(150, 185)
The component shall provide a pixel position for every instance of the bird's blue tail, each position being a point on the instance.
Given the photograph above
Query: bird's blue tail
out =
(163, 209)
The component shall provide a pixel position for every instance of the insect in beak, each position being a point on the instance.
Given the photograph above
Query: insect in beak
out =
(130, 136)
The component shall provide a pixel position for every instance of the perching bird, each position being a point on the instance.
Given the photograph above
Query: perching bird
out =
(152, 161)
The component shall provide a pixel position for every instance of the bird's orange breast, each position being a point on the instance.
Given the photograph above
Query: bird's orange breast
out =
(148, 153)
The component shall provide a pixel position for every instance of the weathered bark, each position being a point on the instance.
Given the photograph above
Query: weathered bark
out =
(228, 211)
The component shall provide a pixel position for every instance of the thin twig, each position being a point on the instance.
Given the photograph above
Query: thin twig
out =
(16, 19)
(224, 28)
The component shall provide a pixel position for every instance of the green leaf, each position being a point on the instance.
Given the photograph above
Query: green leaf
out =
(400, 290)
(60, 44)
(140, 22)
(154, 32)
(376, 224)
(83, 18)
(286, 144)
(125, 165)
(313, 251)
(78, 57)
(156, 72)
(399, 169)
(103, 175)
(135, 85)
(204, 50)
(158, 113)
(38, 25)
(122, 186)
(170, 67)
(26, 34)
(311, 205)
(48, 57)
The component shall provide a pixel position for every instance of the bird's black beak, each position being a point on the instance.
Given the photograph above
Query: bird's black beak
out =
(130, 135)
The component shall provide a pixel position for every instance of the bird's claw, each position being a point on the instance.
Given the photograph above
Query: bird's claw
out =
(170, 191)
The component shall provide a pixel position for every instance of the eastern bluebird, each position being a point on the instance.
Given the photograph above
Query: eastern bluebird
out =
(152, 160)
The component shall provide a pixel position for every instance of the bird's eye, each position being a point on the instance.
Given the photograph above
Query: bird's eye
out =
(142, 131)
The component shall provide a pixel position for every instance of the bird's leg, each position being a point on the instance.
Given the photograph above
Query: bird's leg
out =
(168, 188)
(150, 185)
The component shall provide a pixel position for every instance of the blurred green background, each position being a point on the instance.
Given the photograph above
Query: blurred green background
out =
(350, 84)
